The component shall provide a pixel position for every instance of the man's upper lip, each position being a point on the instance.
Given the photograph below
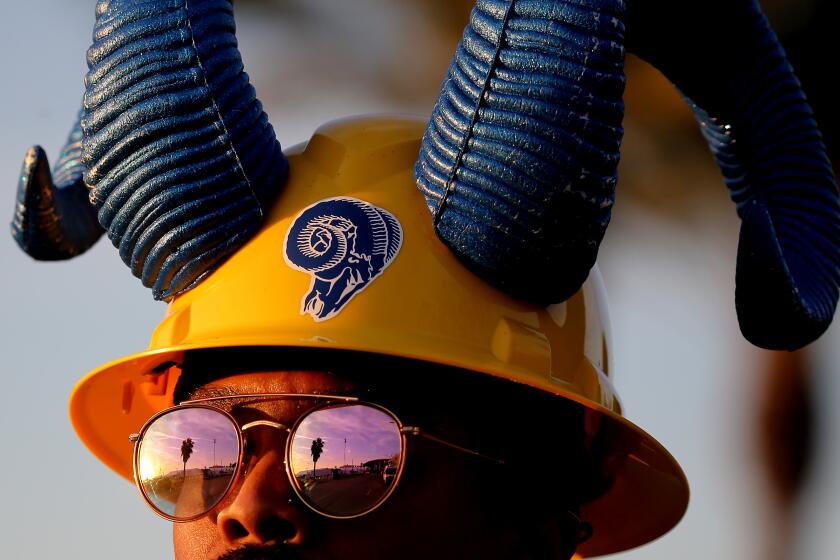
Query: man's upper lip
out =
(261, 553)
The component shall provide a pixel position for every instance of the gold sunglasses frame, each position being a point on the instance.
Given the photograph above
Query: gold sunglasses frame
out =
(206, 403)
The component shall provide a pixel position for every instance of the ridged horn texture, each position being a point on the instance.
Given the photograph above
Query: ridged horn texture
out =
(53, 218)
(725, 58)
(518, 164)
(181, 159)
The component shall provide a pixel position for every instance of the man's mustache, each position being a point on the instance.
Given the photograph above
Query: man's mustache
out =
(252, 552)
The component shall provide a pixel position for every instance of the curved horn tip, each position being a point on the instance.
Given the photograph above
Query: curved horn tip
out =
(775, 311)
(35, 155)
(51, 223)
(33, 181)
(785, 328)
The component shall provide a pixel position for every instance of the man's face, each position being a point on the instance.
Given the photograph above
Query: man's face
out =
(440, 509)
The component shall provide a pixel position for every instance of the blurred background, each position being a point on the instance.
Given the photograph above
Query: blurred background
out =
(755, 431)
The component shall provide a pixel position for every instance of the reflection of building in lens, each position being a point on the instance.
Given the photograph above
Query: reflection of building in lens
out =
(373, 466)
(219, 470)
(376, 465)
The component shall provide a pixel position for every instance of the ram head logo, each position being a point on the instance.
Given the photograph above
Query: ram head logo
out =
(344, 244)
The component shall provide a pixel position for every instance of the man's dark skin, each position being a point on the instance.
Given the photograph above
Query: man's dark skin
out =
(448, 504)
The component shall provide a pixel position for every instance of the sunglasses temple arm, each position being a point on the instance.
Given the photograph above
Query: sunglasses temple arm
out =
(415, 431)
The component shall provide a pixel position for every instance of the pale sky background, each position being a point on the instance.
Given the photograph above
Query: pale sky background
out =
(683, 370)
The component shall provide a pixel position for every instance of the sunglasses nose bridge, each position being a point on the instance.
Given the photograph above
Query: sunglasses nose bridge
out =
(267, 423)
(244, 428)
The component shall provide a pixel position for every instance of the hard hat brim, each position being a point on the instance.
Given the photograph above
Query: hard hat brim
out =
(648, 495)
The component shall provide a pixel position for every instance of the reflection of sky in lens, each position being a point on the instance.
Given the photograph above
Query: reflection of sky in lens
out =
(370, 434)
(161, 449)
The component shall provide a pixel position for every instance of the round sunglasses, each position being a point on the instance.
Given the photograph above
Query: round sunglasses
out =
(343, 457)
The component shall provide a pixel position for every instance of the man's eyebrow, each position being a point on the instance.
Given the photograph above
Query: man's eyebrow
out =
(204, 392)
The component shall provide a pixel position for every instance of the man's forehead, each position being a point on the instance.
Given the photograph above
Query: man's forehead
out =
(274, 381)
(401, 384)
(287, 369)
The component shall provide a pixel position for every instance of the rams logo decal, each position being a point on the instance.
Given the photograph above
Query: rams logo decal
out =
(344, 244)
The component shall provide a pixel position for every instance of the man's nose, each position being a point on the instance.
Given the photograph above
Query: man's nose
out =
(263, 511)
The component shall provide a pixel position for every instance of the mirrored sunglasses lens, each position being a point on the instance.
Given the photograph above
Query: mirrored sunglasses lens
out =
(187, 460)
(345, 458)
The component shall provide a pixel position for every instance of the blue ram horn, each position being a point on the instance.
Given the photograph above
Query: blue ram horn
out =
(765, 140)
(53, 218)
(179, 157)
(518, 163)
(535, 86)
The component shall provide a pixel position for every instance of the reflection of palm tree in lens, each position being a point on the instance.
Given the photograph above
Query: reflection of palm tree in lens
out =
(317, 449)
(186, 451)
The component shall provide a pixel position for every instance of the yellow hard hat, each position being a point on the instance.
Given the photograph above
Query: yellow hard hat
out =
(348, 259)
